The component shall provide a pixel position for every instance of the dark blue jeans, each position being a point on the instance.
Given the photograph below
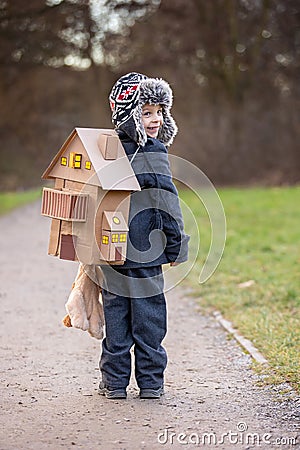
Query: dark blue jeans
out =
(140, 322)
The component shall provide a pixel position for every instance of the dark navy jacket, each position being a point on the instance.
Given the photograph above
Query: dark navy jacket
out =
(156, 232)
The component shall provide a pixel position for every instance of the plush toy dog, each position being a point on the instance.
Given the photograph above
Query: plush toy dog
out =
(84, 305)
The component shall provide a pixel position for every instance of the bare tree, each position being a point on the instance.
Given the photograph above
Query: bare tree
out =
(234, 66)
(228, 45)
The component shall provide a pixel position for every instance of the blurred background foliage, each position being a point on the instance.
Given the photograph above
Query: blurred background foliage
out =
(233, 65)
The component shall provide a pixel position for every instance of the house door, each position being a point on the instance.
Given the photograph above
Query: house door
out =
(118, 254)
(67, 247)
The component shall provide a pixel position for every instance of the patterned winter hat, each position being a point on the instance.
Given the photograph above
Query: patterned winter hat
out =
(127, 98)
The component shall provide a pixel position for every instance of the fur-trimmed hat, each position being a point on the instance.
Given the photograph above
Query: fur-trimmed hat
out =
(127, 98)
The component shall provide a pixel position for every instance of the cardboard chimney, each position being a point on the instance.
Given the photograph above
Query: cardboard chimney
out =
(89, 204)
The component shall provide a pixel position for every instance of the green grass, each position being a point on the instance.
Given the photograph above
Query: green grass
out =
(263, 230)
(11, 200)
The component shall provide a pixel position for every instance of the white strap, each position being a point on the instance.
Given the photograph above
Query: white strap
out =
(134, 155)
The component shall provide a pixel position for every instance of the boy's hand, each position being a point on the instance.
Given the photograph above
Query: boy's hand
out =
(174, 263)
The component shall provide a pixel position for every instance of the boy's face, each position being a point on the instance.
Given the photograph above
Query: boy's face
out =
(152, 119)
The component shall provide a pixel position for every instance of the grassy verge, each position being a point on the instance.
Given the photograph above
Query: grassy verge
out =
(11, 200)
(257, 284)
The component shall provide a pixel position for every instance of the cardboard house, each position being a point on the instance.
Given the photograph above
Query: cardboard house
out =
(89, 203)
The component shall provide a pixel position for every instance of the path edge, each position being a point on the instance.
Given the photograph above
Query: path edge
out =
(245, 343)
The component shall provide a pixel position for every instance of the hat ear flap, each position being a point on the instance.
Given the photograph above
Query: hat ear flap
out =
(168, 129)
(140, 129)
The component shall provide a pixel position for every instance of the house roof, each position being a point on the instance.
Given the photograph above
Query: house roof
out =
(114, 221)
(109, 174)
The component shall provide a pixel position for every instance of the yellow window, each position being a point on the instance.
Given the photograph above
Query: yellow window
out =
(116, 220)
(123, 237)
(88, 165)
(115, 238)
(63, 161)
(104, 239)
(75, 160)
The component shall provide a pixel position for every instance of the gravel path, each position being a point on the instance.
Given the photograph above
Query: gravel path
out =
(49, 374)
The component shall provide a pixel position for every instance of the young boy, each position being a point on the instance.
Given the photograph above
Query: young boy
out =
(133, 298)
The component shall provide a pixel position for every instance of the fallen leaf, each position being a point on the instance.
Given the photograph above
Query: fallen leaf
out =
(246, 284)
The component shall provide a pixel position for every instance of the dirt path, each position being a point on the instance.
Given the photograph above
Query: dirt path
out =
(49, 374)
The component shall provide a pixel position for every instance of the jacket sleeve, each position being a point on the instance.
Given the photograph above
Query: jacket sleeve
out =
(172, 223)
(155, 163)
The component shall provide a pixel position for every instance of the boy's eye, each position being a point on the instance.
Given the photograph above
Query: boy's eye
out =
(149, 113)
